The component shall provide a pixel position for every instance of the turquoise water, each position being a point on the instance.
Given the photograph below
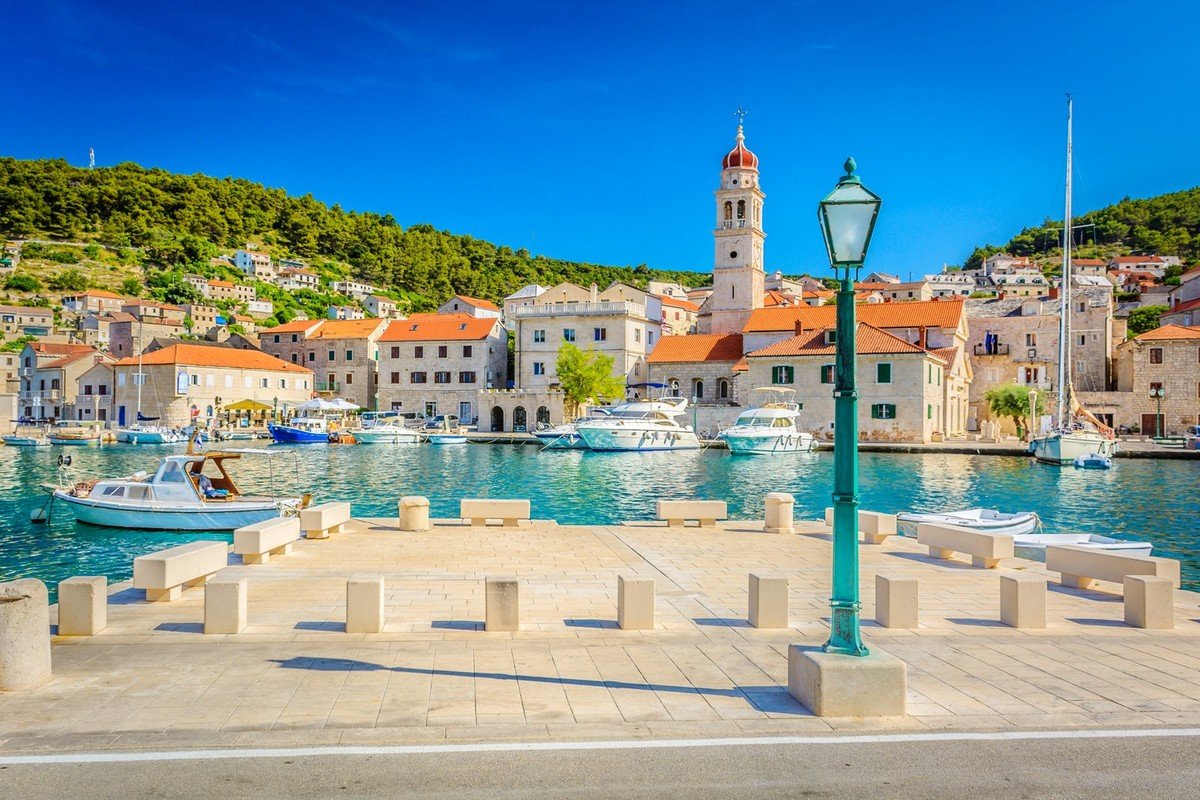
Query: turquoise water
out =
(1137, 499)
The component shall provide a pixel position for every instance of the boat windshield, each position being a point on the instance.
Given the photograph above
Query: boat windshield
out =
(764, 422)
(633, 415)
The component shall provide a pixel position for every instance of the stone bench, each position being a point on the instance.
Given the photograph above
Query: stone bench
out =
(163, 575)
(678, 512)
(480, 510)
(1080, 567)
(874, 526)
(318, 522)
(985, 549)
(256, 543)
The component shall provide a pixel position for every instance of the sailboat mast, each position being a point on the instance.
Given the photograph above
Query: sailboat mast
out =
(140, 377)
(1064, 294)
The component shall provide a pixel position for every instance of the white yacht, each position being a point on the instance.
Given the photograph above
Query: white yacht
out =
(641, 425)
(384, 427)
(770, 428)
(566, 436)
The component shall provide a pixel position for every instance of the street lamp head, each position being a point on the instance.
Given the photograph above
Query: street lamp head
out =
(847, 216)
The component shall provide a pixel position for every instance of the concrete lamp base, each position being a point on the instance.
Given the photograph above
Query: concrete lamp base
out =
(834, 685)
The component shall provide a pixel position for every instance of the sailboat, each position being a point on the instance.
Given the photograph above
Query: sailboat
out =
(139, 433)
(1076, 432)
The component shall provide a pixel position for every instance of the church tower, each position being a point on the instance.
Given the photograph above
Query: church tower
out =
(738, 278)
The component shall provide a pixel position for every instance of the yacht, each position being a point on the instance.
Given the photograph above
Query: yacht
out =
(1076, 431)
(640, 425)
(770, 428)
(191, 492)
(384, 427)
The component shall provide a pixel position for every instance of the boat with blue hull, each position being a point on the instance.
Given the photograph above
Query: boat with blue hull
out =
(300, 430)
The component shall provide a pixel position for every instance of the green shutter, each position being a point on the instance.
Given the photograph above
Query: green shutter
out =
(883, 373)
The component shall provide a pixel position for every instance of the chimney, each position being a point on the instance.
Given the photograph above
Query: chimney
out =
(595, 293)
(1000, 295)
(1053, 292)
(922, 337)
(799, 327)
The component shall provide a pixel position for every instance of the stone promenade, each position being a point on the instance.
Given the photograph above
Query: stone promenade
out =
(152, 679)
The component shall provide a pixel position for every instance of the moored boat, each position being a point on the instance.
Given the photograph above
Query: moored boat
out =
(447, 438)
(988, 520)
(566, 436)
(645, 425)
(300, 430)
(74, 434)
(770, 428)
(1034, 544)
(24, 441)
(383, 427)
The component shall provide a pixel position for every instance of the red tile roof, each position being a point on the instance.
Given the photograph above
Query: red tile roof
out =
(52, 349)
(1188, 306)
(927, 313)
(1137, 260)
(1167, 332)
(1088, 262)
(67, 361)
(695, 348)
(869, 341)
(226, 284)
(438, 327)
(475, 301)
(348, 329)
(295, 326)
(98, 293)
(195, 355)
(675, 302)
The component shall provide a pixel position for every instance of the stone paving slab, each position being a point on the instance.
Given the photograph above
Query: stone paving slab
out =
(152, 679)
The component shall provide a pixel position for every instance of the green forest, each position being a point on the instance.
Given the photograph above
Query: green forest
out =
(1165, 225)
(178, 222)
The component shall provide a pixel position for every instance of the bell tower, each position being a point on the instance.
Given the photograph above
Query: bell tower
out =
(738, 277)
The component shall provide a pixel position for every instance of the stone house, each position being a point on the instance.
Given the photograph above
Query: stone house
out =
(187, 381)
(345, 312)
(254, 264)
(522, 297)
(93, 301)
(93, 399)
(48, 373)
(1154, 266)
(678, 315)
(126, 335)
(1094, 267)
(156, 313)
(702, 368)
(1166, 358)
(343, 355)
(228, 290)
(901, 386)
(471, 306)
(204, 318)
(296, 279)
(622, 322)
(438, 363)
(18, 321)
(382, 307)
(260, 309)
(517, 410)
(355, 289)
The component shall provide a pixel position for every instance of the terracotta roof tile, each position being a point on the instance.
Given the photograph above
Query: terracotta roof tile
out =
(1188, 306)
(695, 348)
(1167, 332)
(928, 313)
(349, 329)
(67, 361)
(53, 349)
(438, 327)
(193, 355)
(869, 341)
(675, 302)
(475, 301)
(295, 326)
(225, 284)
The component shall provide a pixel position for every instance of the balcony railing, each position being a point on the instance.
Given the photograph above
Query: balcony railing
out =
(328, 386)
(994, 350)
(729, 224)
(25, 372)
(47, 395)
(599, 309)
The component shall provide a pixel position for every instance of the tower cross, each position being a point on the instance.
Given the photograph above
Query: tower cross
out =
(740, 114)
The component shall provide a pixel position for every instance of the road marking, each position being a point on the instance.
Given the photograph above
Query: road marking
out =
(637, 744)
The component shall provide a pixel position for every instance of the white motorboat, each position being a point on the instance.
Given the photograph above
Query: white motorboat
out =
(987, 520)
(148, 434)
(1033, 545)
(1191, 437)
(645, 425)
(191, 492)
(566, 436)
(1093, 461)
(447, 438)
(1076, 431)
(233, 434)
(771, 428)
(24, 441)
(386, 433)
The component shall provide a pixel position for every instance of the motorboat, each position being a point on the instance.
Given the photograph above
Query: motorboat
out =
(148, 434)
(770, 428)
(645, 425)
(566, 436)
(987, 520)
(1093, 461)
(191, 492)
(384, 427)
(300, 430)
(1191, 437)
(1033, 545)
(16, 440)
(234, 434)
(447, 438)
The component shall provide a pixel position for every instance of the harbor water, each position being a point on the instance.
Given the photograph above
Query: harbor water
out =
(1144, 499)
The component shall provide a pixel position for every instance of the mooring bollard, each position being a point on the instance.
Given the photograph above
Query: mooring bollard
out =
(781, 508)
(24, 634)
(82, 605)
(414, 513)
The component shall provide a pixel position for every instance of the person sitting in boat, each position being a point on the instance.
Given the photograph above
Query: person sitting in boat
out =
(206, 488)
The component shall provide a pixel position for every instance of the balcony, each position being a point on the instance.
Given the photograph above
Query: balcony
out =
(328, 387)
(25, 372)
(45, 395)
(994, 350)
(599, 309)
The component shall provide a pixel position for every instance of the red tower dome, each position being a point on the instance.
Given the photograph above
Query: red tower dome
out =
(739, 156)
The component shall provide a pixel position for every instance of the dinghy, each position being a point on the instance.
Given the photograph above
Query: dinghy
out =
(987, 520)
(1034, 545)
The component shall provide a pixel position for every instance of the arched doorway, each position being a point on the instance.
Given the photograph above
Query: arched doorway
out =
(520, 423)
(497, 418)
(543, 415)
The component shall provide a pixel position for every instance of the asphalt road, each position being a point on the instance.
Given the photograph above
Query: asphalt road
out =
(1157, 768)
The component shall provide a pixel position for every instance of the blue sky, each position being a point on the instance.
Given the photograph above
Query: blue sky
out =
(594, 131)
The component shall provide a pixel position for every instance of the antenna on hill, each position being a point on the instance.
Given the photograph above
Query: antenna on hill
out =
(91, 158)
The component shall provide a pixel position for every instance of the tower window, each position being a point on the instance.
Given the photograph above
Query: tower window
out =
(741, 209)
(728, 210)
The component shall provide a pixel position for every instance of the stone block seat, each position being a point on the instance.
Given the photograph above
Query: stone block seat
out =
(318, 522)
(678, 512)
(256, 543)
(1080, 567)
(164, 574)
(479, 510)
(985, 549)
(873, 525)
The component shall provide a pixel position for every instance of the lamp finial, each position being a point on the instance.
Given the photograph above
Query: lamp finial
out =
(850, 165)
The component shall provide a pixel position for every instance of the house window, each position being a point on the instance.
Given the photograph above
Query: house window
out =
(698, 389)
(827, 373)
(883, 373)
(783, 374)
(263, 384)
(349, 356)
(441, 377)
(467, 351)
(831, 336)
(443, 350)
(283, 383)
(294, 360)
(723, 389)
(637, 335)
(295, 338)
(312, 355)
(1156, 355)
(1082, 307)
(539, 368)
(395, 378)
(539, 336)
(332, 355)
(650, 337)
(466, 377)
(417, 377)
(277, 338)
(121, 379)
(883, 411)
(419, 351)
(195, 380)
(929, 411)
(1031, 340)
(600, 334)
(568, 334)
(1082, 339)
(395, 352)
(349, 378)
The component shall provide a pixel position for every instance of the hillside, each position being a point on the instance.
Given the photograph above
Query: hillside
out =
(171, 223)
(1165, 225)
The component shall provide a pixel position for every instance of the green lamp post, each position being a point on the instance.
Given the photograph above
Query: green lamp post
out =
(847, 216)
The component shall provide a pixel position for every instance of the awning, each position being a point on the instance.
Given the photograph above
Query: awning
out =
(246, 405)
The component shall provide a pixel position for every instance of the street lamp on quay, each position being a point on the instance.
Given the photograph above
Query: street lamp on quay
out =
(847, 216)
(1158, 393)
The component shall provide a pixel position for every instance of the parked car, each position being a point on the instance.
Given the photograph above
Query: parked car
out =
(441, 421)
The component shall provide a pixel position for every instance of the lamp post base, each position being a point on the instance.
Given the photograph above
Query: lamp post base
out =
(837, 685)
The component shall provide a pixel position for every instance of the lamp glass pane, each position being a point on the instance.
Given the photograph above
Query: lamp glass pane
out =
(848, 226)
